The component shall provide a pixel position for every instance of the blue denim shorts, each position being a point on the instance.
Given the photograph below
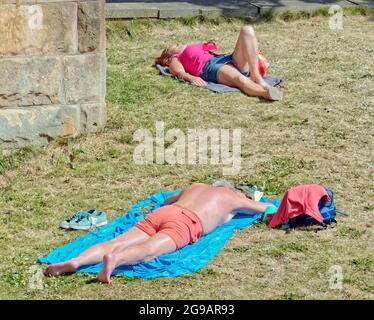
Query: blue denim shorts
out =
(211, 68)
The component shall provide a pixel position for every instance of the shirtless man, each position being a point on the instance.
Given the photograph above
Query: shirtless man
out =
(185, 217)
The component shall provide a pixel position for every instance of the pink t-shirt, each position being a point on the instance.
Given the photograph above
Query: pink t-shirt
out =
(299, 200)
(195, 56)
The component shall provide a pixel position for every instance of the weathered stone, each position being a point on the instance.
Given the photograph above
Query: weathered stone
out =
(93, 116)
(39, 124)
(48, 88)
(38, 29)
(19, 2)
(45, 1)
(71, 118)
(84, 78)
(91, 26)
(30, 81)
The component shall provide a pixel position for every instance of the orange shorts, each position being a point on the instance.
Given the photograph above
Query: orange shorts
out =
(180, 224)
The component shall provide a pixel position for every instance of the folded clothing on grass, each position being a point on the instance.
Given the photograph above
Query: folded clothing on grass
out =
(217, 87)
(183, 261)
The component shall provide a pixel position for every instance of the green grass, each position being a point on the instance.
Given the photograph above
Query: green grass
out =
(288, 15)
(351, 232)
(321, 133)
(15, 159)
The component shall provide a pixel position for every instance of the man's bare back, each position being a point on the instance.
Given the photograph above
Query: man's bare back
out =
(215, 205)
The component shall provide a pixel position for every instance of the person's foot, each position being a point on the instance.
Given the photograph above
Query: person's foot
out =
(274, 94)
(58, 269)
(264, 84)
(260, 81)
(109, 265)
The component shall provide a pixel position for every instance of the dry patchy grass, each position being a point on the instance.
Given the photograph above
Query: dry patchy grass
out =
(322, 133)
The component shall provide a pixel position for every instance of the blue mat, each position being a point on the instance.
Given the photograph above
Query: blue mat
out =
(183, 261)
(218, 87)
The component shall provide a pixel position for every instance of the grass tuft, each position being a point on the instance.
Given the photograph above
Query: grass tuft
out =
(17, 158)
(351, 233)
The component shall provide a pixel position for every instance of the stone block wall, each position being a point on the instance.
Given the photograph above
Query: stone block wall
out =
(52, 69)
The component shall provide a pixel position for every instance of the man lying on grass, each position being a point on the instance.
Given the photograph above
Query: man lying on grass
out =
(184, 218)
(242, 69)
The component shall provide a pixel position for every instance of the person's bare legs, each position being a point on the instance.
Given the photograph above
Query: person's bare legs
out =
(96, 253)
(230, 76)
(245, 55)
(156, 246)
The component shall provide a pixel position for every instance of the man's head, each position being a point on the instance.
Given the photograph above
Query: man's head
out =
(242, 189)
(245, 190)
(223, 183)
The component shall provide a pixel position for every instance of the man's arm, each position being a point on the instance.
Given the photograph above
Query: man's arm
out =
(173, 198)
(177, 69)
(248, 206)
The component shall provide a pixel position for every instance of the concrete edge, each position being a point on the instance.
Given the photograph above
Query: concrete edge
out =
(130, 11)
(133, 10)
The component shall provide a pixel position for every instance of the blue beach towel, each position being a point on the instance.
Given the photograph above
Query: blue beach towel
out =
(217, 87)
(183, 261)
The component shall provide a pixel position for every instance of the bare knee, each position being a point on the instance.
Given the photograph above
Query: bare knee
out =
(248, 31)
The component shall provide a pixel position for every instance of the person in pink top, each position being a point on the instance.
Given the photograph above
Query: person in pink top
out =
(243, 69)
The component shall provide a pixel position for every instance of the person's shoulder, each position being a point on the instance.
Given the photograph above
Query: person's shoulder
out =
(196, 184)
(196, 44)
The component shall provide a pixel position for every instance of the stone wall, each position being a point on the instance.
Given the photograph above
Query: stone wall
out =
(52, 69)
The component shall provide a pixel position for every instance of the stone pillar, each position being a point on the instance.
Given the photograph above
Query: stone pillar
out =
(52, 69)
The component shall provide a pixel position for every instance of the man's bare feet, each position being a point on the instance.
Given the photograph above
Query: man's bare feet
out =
(109, 265)
(58, 269)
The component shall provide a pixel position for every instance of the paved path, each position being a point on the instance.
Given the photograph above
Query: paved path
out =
(128, 9)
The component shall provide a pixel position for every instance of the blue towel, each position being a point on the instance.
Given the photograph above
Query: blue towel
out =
(183, 261)
(217, 87)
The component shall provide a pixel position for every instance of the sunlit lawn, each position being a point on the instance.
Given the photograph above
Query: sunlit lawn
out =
(321, 133)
